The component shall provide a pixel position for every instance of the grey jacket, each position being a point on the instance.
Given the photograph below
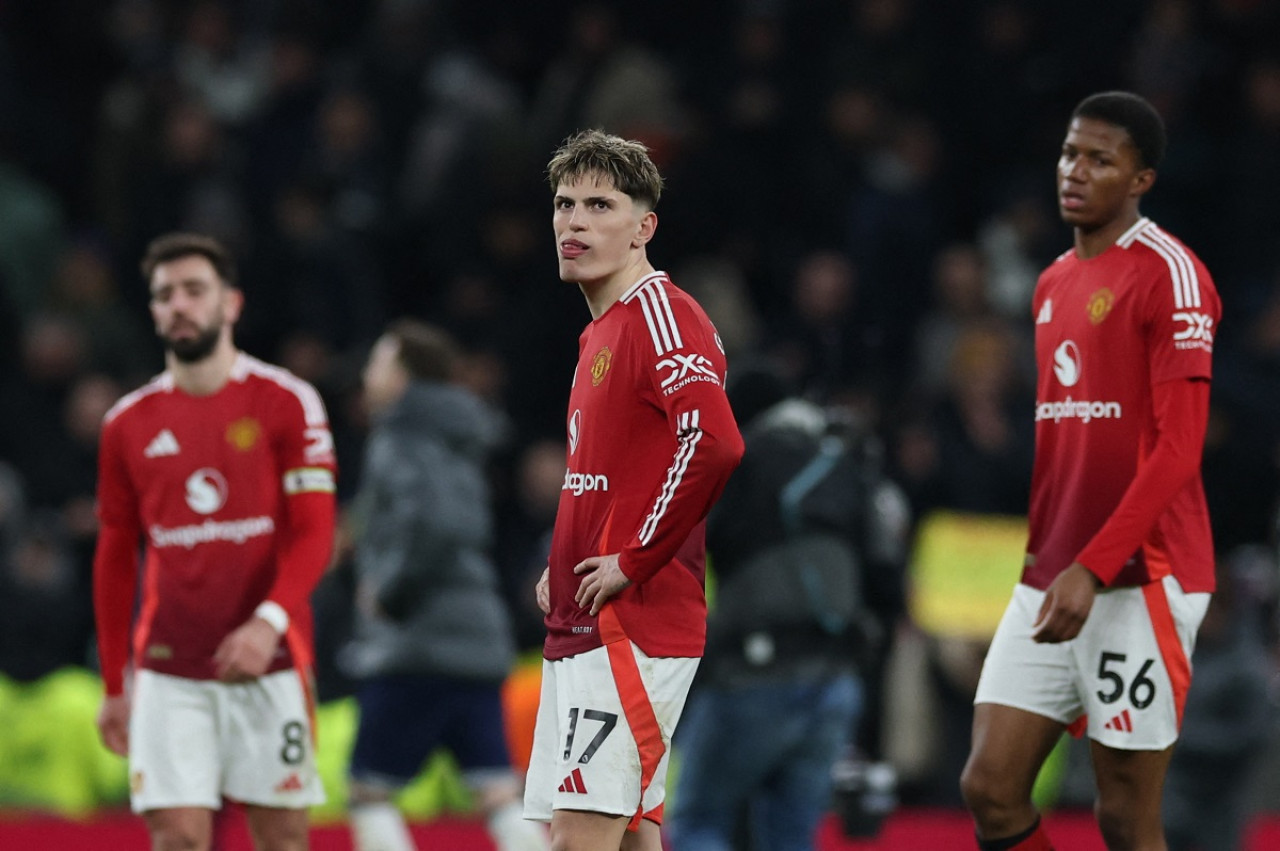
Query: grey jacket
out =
(427, 597)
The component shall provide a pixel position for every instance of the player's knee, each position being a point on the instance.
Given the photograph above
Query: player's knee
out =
(179, 830)
(978, 788)
(178, 837)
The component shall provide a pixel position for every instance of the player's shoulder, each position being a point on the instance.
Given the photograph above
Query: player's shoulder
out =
(272, 380)
(1166, 257)
(1146, 242)
(132, 403)
(663, 307)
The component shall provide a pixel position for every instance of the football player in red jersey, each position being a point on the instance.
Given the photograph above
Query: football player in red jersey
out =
(651, 444)
(1119, 564)
(223, 467)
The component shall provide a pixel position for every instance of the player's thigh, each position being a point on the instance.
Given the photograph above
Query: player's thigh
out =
(268, 742)
(174, 759)
(1133, 656)
(1009, 746)
(276, 829)
(1129, 780)
(647, 837)
(580, 830)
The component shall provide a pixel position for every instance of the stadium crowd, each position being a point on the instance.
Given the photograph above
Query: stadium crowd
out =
(856, 190)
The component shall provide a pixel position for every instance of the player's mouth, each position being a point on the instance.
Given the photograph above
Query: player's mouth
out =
(571, 249)
(1071, 200)
(183, 328)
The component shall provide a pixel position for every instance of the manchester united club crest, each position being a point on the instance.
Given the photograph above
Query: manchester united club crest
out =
(243, 434)
(600, 366)
(1100, 304)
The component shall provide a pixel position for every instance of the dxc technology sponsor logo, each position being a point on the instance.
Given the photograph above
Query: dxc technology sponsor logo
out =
(682, 370)
(1197, 332)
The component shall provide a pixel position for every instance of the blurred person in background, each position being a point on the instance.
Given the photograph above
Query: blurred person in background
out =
(45, 617)
(1228, 718)
(525, 524)
(225, 465)
(432, 639)
(1120, 562)
(806, 535)
(652, 441)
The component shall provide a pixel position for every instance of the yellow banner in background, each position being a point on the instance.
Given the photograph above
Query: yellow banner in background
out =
(962, 571)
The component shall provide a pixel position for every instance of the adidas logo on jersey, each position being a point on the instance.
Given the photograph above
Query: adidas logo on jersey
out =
(292, 783)
(162, 444)
(1121, 723)
(1046, 312)
(574, 783)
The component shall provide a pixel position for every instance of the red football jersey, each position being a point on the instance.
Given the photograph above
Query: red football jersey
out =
(1108, 330)
(208, 482)
(651, 444)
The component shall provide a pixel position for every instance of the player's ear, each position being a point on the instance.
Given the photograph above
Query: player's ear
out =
(233, 303)
(1142, 182)
(645, 230)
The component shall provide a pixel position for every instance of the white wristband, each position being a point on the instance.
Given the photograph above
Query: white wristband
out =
(274, 614)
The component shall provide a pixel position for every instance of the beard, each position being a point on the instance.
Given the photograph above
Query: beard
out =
(194, 349)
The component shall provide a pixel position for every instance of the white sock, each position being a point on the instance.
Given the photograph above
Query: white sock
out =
(379, 827)
(511, 831)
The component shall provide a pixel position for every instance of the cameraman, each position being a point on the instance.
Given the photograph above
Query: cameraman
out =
(807, 539)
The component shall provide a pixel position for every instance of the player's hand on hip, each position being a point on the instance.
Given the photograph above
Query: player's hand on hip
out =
(113, 723)
(1067, 602)
(542, 591)
(604, 579)
(247, 652)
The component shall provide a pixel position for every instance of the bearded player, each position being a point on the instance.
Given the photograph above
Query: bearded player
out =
(223, 468)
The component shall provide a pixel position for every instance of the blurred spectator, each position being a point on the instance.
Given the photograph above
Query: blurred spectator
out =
(803, 532)
(187, 176)
(225, 66)
(31, 237)
(828, 342)
(53, 357)
(433, 640)
(1018, 239)
(44, 602)
(524, 538)
(960, 302)
(1228, 718)
(972, 451)
(84, 288)
(88, 401)
(1254, 173)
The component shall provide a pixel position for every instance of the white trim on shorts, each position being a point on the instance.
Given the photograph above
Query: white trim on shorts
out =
(191, 742)
(1127, 671)
(603, 737)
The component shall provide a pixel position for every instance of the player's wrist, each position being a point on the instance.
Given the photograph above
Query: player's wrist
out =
(274, 614)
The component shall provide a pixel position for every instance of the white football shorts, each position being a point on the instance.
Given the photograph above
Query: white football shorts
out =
(603, 732)
(1128, 670)
(191, 742)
